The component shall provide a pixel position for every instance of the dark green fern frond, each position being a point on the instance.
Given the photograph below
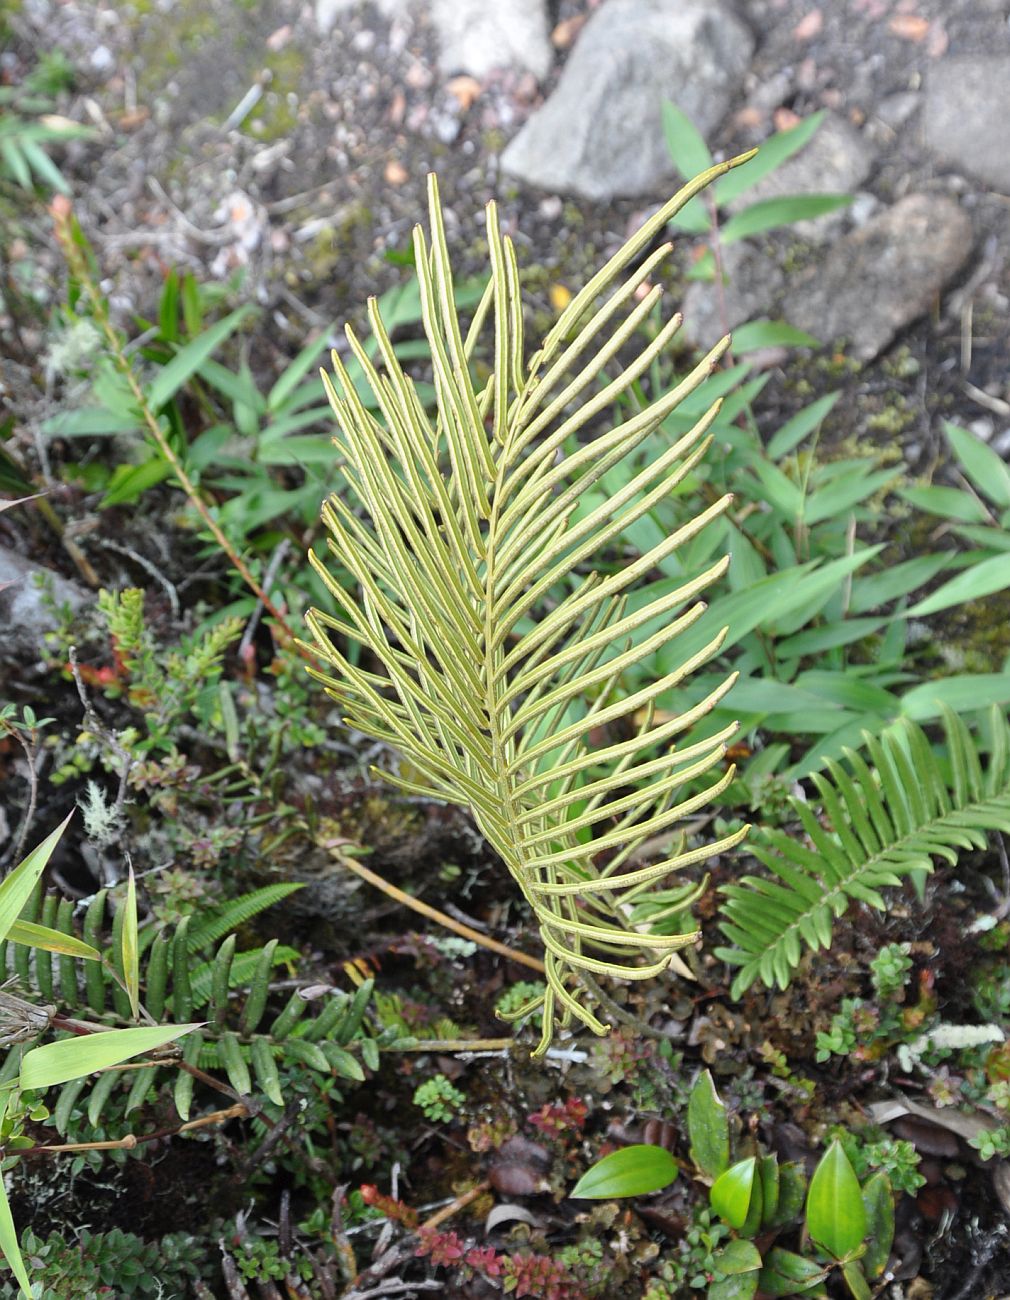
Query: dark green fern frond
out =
(885, 820)
(215, 922)
(253, 1037)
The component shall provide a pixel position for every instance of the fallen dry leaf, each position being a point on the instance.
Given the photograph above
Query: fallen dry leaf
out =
(910, 27)
(749, 118)
(465, 90)
(278, 39)
(396, 173)
(566, 31)
(937, 41)
(129, 121)
(809, 26)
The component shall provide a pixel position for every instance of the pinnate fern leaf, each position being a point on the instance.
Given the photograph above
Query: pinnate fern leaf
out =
(459, 530)
(888, 814)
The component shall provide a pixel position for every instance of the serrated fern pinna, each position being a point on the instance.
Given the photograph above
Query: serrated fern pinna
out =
(461, 530)
(879, 823)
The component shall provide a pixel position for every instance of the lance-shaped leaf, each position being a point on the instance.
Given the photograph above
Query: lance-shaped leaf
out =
(130, 946)
(16, 888)
(42, 936)
(632, 1171)
(9, 1247)
(481, 644)
(73, 1058)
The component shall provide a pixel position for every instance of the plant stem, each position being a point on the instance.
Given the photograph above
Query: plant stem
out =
(127, 1143)
(78, 264)
(433, 914)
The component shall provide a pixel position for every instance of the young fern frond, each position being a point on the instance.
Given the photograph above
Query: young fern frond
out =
(463, 524)
(885, 821)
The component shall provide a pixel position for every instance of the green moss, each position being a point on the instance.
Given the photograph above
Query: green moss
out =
(975, 637)
(277, 114)
(895, 417)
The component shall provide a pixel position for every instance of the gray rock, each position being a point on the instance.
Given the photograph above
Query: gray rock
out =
(25, 613)
(475, 36)
(600, 133)
(835, 161)
(877, 280)
(967, 113)
(752, 283)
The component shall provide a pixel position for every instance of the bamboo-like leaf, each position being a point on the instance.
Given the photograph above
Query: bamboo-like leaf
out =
(49, 940)
(130, 948)
(73, 1058)
(885, 821)
(16, 888)
(9, 1247)
(461, 526)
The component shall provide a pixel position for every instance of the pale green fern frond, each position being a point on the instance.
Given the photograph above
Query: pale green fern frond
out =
(464, 528)
(883, 822)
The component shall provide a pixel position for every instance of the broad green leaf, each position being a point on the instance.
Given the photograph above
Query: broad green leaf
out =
(855, 1280)
(878, 589)
(836, 1216)
(129, 482)
(75, 1057)
(732, 1192)
(297, 370)
(44, 167)
(168, 308)
(736, 1286)
(298, 451)
(685, 143)
(130, 946)
(803, 422)
(16, 888)
(9, 1246)
(845, 492)
(770, 334)
(238, 386)
(41, 936)
(786, 1273)
(848, 692)
(986, 471)
(772, 154)
(768, 1172)
(962, 694)
(632, 1171)
(992, 539)
(831, 636)
(771, 599)
(879, 1202)
(90, 422)
(708, 1127)
(947, 502)
(738, 1257)
(14, 157)
(980, 580)
(769, 214)
(792, 1193)
(751, 1226)
(188, 360)
(694, 219)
